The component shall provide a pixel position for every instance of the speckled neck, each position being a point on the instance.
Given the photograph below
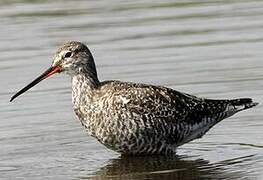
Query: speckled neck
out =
(83, 86)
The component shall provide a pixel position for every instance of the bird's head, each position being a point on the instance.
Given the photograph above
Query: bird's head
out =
(71, 58)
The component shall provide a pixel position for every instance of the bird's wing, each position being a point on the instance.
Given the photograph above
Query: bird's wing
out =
(159, 103)
(173, 106)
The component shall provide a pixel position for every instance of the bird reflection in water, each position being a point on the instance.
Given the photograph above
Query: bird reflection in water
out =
(170, 167)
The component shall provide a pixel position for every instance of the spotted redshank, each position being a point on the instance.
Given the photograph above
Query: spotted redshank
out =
(133, 118)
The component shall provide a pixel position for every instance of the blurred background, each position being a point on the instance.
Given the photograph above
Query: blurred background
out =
(210, 48)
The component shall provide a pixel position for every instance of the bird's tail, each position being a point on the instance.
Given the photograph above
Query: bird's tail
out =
(242, 104)
(213, 112)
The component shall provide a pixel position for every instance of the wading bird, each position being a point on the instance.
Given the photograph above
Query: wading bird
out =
(133, 118)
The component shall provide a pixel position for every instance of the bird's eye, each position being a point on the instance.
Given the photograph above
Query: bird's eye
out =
(68, 54)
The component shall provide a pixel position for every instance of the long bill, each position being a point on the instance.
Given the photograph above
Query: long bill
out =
(50, 71)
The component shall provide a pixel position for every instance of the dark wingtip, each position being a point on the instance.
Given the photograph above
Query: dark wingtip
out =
(251, 105)
(244, 103)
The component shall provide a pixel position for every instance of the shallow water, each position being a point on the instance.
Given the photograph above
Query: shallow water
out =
(208, 48)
